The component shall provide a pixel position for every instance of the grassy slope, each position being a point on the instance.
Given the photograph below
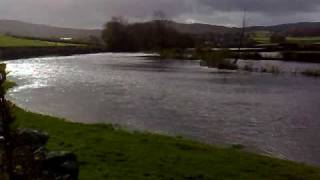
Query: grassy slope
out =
(106, 153)
(263, 37)
(8, 41)
(304, 40)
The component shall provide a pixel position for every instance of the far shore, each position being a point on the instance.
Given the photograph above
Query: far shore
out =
(11, 53)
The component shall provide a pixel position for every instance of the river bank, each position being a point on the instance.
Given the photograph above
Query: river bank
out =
(10, 53)
(245, 54)
(106, 152)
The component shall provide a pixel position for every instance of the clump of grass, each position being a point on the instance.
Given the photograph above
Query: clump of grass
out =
(175, 54)
(249, 68)
(212, 59)
(271, 69)
(217, 59)
(312, 72)
(9, 84)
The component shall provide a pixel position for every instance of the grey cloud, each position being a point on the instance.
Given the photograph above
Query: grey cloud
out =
(264, 6)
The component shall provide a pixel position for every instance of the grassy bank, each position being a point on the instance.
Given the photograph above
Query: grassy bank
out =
(108, 153)
(8, 41)
(264, 37)
(303, 40)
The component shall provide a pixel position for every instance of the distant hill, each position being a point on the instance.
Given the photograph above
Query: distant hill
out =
(293, 29)
(19, 28)
(198, 28)
(302, 29)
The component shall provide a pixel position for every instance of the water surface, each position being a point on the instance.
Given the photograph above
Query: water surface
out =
(277, 115)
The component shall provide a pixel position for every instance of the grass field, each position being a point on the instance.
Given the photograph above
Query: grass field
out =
(304, 40)
(108, 153)
(8, 41)
(262, 37)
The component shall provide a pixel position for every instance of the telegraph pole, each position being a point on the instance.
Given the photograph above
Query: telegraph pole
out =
(241, 36)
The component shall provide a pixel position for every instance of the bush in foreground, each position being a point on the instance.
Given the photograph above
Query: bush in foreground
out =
(23, 152)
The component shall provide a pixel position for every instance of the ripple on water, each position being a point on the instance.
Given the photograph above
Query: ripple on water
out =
(277, 115)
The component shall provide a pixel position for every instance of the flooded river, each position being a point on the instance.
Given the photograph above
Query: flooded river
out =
(277, 115)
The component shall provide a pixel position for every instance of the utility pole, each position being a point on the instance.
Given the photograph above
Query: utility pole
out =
(242, 36)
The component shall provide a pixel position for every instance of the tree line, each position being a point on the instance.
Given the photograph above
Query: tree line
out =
(120, 35)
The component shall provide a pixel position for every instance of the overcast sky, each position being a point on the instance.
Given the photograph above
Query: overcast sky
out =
(94, 13)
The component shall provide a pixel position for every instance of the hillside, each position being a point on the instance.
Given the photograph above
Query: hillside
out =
(197, 28)
(302, 29)
(19, 28)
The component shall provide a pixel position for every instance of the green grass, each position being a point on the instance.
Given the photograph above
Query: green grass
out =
(108, 153)
(304, 40)
(8, 41)
(261, 37)
(9, 84)
(218, 59)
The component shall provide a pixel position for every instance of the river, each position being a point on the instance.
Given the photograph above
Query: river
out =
(271, 114)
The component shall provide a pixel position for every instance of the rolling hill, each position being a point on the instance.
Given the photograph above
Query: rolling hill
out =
(18, 28)
(302, 29)
(198, 28)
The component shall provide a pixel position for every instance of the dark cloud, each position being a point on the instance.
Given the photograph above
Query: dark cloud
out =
(94, 13)
(264, 6)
